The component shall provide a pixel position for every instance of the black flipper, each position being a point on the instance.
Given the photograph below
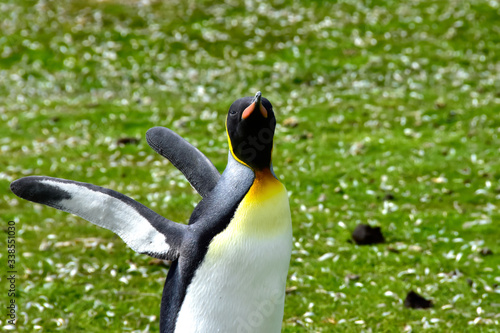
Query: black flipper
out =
(196, 167)
(142, 229)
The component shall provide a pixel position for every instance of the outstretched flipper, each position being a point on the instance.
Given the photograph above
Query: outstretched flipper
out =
(142, 229)
(198, 169)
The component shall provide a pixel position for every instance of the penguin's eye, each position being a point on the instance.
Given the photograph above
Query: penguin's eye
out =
(232, 111)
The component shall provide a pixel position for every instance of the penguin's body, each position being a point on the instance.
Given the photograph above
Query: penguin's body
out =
(230, 262)
(240, 284)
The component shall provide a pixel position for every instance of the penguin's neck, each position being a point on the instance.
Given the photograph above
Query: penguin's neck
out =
(264, 211)
(264, 185)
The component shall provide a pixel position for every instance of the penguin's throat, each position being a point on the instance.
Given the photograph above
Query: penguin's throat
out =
(264, 211)
(264, 186)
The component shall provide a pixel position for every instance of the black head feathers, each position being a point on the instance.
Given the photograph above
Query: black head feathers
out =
(250, 129)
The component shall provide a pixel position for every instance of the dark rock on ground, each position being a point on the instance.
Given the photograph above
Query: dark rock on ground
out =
(415, 301)
(365, 234)
(486, 252)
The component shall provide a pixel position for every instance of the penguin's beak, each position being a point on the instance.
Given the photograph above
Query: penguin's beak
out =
(256, 105)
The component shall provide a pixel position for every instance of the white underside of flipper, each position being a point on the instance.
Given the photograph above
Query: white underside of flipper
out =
(240, 285)
(111, 213)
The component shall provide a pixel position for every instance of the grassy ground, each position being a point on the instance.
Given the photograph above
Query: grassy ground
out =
(388, 111)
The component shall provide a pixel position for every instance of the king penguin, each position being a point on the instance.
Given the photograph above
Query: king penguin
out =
(230, 263)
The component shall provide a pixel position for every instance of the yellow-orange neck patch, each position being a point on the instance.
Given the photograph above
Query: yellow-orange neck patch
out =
(264, 186)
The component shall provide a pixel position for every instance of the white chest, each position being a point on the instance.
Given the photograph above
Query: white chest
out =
(240, 285)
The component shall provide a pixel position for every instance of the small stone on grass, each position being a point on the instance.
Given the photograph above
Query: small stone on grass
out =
(365, 234)
(415, 301)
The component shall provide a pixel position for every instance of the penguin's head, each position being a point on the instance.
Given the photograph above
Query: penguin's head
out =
(250, 127)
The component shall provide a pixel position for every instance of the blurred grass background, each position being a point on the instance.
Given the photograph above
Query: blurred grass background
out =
(388, 114)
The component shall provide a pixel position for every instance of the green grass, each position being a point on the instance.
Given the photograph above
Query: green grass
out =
(391, 97)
